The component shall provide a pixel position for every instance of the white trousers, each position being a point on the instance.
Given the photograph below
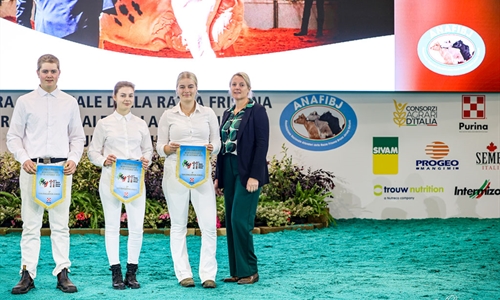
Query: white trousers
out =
(32, 215)
(112, 208)
(203, 200)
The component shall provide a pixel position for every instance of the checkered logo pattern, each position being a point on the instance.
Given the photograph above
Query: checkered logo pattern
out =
(473, 107)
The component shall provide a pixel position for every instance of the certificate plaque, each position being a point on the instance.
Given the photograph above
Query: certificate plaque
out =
(49, 185)
(192, 165)
(127, 180)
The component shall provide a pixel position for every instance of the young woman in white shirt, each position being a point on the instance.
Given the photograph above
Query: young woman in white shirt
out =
(121, 135)
(189, 123)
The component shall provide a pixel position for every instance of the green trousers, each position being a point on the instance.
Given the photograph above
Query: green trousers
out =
(241, 207)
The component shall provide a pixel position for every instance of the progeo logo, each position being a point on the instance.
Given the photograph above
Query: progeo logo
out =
(489, 160)
(437, 151)
(414, 115)
(379, 190)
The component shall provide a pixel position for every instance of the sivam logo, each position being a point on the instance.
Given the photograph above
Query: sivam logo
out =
(385, 155)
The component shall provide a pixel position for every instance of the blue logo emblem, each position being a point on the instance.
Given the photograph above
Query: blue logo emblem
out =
(318, 122)
(451, 49)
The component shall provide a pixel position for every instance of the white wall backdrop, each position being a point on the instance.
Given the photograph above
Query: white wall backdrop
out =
(414, 121)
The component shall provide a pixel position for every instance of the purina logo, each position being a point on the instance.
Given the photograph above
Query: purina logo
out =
(489, 160)
(318, 122)
(484, 190)
(473, 108)
(437, 151)
(414, 115)
(451, 49)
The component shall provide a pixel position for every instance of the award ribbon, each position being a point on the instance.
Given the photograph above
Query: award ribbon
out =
(49, 185)
(127, 180)
(192, 165)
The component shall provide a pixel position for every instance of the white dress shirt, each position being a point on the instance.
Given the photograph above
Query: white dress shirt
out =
(46, 125)
(199, 129)
(127, 137)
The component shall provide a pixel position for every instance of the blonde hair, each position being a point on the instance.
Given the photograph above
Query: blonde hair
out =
(245, 77)
(47, 58)
(189, 75)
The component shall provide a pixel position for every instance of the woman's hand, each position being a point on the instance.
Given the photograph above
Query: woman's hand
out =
(218, 191)
(171, 148)
(210, 147)
(111, 159)
(145, 163)
(252, 185)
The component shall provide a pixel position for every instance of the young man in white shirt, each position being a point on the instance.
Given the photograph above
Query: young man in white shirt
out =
(46, 128)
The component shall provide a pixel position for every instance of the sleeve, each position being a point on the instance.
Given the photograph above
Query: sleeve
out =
(76, 136)
(23, 12)
(15, 134)
(95, 151)
(146, 144)
(214, 132)
(261, 123)
(163, 134)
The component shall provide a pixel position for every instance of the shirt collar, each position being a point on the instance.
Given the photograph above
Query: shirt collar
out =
(177, 108)
(42, 93)
(119, 117)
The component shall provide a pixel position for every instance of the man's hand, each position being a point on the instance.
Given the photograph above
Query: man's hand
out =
(69, 167)
(29, 166)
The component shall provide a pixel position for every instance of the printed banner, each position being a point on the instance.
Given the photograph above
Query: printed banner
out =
(192, 165)
(49, 185)
(127, 180)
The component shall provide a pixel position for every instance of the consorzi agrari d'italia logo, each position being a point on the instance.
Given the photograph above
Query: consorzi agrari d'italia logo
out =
(318, 122)
(451, 49)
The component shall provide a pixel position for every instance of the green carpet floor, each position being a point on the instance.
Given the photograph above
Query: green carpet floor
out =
(358, 259)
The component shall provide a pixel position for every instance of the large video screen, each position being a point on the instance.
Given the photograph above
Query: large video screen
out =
(336, 45)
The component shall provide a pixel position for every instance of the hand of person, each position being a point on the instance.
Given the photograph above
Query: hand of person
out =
(145, 163)
(218, 191)
(111, 159)
(172, 148)
(210, 147)
(29, 166)
(69, 167)
(252, 185)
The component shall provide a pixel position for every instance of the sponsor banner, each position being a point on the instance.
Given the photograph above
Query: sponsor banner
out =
(394, 140)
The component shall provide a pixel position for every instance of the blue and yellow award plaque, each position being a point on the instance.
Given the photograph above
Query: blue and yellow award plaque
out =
(49, 185)
(127, 180)
(192, 165)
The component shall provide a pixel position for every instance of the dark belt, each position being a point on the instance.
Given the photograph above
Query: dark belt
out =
(48, 160)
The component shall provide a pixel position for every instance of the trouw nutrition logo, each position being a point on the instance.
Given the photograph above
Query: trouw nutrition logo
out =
(489, 160)
(385, 155)
(473, 108)
(404, 192)
(437, 151)
(414, 115)
(451, 49)
(477, 193)
(318, 122)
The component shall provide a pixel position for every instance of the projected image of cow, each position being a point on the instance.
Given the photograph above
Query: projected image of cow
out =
(198, 27)
(315, 125)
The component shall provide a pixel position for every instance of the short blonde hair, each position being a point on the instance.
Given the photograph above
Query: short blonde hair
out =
(47, 58)
(245, 77)
(189, 75)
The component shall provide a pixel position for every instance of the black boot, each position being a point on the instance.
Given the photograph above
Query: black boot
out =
(303, 27)
(117, 277)
(63, 282)
(319, 32)
(130, 279)
(25, 284)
